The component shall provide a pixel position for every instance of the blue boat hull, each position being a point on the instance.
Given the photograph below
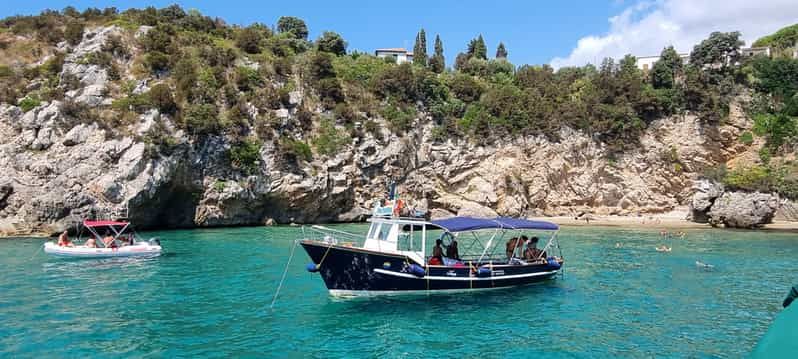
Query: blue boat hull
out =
(354, 271)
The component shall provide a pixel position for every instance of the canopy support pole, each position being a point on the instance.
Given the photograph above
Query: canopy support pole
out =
(490, 241)
(548, 244)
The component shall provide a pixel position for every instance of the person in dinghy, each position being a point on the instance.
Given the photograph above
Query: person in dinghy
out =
(119, 240)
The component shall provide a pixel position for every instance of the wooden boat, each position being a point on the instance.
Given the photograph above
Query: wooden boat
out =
(396, 258)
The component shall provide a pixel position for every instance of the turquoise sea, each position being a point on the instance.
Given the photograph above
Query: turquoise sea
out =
(209, 296)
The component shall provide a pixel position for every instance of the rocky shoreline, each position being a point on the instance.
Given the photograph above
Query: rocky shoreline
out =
(57, 168)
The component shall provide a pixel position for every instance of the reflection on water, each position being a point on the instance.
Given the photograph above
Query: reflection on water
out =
(209, 294)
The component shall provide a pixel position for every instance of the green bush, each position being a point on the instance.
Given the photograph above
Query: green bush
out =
(201, 119)
(156, 62)
(330, 139)
(777, 129)
(296, 150)
(250, 39)
(399, 118)
(754, 178)
(747, 138)
(294, 26)
(330, 91)
(247, 79)
(219, 186)
(161, 97)
(29, 103)
(360, 70)
(74, 32)
(159, 39)
(465, 87)
(396, 82)
(331, 42)
(5, 71)
(477, 121)
(138, 103)
(245, 155)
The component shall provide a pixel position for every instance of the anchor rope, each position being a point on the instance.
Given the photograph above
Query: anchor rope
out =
(324, 256)
(285, 272)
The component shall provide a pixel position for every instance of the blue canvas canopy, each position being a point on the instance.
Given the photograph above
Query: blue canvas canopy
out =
(464, 224)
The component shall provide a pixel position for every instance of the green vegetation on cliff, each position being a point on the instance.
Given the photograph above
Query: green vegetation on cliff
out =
(217, 79)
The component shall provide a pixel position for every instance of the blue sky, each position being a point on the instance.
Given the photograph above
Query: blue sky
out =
(535, 32)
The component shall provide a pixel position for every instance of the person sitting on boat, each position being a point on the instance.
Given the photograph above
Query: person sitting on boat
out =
(109, 241)
(451, 250)
(63, 240)
(532, 252)
(91, 243)
(513, 245)
(437, 253)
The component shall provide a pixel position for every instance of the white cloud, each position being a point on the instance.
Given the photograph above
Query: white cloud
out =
(644, 28)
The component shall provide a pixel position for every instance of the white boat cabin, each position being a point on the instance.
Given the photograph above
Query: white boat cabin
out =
(385, 235)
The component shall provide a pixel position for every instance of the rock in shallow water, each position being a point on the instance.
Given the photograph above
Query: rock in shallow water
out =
(743, 209)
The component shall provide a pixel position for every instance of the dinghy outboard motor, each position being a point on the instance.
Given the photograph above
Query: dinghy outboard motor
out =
(154, 242)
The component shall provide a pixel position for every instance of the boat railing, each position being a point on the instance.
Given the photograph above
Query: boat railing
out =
(331, 235)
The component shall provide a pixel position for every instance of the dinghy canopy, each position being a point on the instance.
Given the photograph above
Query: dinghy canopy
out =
(465, 224)
(88, 223)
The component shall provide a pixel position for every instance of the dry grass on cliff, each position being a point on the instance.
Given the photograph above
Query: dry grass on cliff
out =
(16, 50)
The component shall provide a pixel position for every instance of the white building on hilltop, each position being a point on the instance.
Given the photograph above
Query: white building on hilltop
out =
(399, 53)
(646, 63)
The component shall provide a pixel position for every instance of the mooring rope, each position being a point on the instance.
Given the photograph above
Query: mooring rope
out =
(318, 266)
(35, 254)
(285, 272)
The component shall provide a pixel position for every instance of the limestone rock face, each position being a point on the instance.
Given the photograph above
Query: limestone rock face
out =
(56, 170)
(706, 192)
(743, 210)
(92, 77)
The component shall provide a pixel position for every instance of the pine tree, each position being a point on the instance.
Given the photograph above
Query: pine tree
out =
(438, 63)
(420, 49)
(501, 52)
(665, 70)
(477, 48)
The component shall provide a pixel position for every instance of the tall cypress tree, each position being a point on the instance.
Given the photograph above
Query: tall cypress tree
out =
(501, 52)
(438, 63)
(420, 49)
(477, 48)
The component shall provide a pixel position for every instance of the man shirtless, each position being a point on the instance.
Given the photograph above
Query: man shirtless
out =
(514, 244)
(532, 252)
(63, 240)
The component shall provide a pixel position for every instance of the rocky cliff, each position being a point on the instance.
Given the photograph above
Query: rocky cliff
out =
(57, 167)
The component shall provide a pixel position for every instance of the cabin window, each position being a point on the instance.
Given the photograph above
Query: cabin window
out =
(382, 233)
(379, 231)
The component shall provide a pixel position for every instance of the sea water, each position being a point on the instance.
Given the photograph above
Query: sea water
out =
(209, 295)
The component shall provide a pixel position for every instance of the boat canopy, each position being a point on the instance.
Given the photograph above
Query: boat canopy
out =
(465, 224)
(93, 224)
